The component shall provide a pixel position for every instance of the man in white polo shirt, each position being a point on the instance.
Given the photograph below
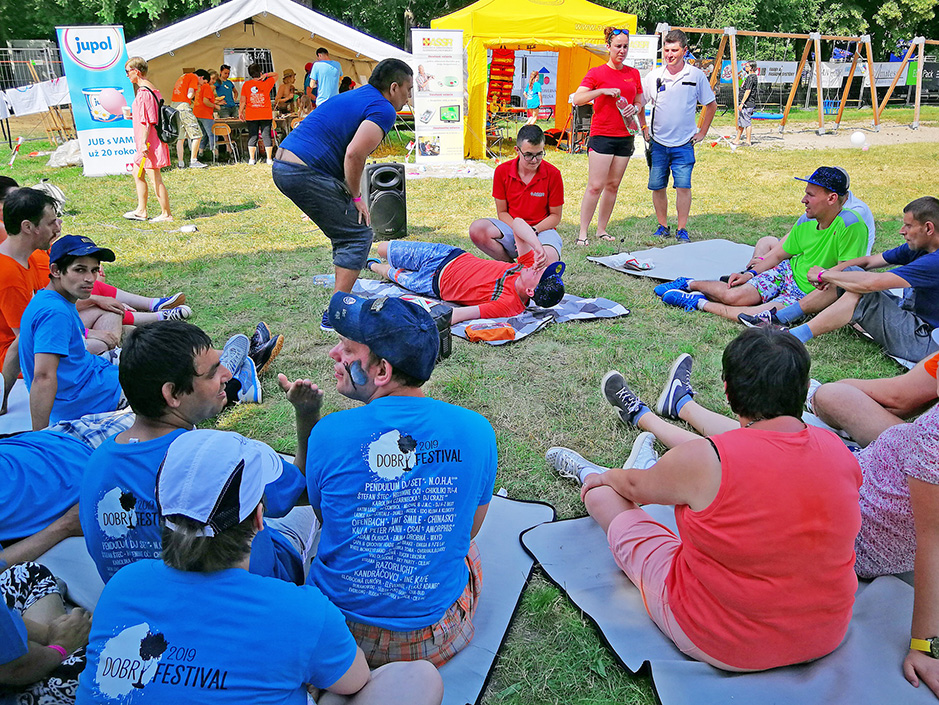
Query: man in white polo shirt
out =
(674, 90)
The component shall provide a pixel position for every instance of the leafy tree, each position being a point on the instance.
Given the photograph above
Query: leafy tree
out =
(128, 503)
(152, 647)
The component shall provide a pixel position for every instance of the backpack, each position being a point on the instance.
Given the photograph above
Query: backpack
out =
(167, 125)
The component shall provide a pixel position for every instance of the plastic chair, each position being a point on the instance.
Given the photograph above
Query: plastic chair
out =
(223, 131)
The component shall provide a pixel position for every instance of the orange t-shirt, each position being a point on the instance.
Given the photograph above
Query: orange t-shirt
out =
(183, 84)
(257, 95)
(471, 281)
(931, 364)
(17, 286)
(199, 108)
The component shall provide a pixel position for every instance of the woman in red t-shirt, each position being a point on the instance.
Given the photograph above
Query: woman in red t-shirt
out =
(152, 153)
(256, 110)
(616, 92)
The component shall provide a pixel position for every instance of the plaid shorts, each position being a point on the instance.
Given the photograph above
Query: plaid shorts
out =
(437, 643)
(777, 285)
(188, 124)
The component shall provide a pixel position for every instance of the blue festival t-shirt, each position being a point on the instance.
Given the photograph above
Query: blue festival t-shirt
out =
(41, 475)
(920, 269)
(164, 636)
(226, 90)
(87, 384)
(121, 524)
(13, 641)
(321, 139)
(327, 75)
(398, 482)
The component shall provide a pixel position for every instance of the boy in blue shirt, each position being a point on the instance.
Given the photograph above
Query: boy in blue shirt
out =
(65, 381)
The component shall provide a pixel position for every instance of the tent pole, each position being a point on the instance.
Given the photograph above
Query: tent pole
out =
(919, 80)
(795, 85)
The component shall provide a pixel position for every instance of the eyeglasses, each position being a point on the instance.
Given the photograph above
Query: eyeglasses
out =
(619, 31)
(529, 157)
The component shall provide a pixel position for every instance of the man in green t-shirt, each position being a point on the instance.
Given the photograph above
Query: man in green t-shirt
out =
(825, 235)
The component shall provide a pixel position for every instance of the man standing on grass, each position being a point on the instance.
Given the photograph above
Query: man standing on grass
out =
(824, 236)
(850, 293)
(529, 195)
(675, 90)
(319, 164)
(402, 485)
(747, 103)
(324, 77)
(184, 92)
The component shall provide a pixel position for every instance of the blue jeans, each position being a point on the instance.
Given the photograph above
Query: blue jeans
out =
(414, 264)
(677, 160)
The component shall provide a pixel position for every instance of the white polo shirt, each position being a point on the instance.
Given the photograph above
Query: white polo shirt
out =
(674, 98)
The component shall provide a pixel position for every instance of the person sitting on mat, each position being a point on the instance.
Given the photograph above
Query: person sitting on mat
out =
(402, 485)
(824, 236)
(482, 288)
(721, 590)
(529, 194)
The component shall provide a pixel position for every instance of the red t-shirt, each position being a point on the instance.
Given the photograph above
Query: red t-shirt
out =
(17, 286)
(182, 86)
(532, 201)
(765, 575)
(931, 364)
(257, 95)
(471, 281)
(199, 108)
(607, 119)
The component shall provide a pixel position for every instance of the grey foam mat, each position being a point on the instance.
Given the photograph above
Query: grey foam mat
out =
(17, 417)
(704, 259)
(865, 669)
(506, 570)
(70, 561)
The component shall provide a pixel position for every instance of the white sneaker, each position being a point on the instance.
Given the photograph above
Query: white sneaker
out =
(643, 455)
(570, 464)
(252, 161)
(196, 164)
(270, 161)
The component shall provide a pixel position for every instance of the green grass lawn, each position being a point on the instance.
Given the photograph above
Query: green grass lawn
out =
(253, 258)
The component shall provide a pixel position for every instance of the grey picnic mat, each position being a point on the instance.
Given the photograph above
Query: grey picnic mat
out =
(704, 259)
(17, 418)
(571, 308)
(865, 669)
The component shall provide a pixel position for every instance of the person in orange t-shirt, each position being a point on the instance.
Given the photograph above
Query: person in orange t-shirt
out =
(184, 93)
(255, 109)
(31, 222)
(204, 105)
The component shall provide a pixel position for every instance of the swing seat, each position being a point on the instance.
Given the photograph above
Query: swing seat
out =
(830, 106)
(767, 116)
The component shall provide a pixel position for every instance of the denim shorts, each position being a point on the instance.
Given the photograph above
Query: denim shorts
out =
(414, 264)
(328, 203)
(677, 160)
(545, 237)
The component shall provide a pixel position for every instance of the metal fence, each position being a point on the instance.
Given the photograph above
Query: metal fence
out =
(29, 61)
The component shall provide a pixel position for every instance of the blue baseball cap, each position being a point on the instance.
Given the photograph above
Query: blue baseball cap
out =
(550, 289)
(829, 177)
(398, 331)
(79, 246)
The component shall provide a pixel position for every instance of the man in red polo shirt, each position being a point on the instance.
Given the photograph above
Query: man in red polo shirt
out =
(529, 196)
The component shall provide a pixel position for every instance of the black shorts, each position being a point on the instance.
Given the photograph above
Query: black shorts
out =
(617, 146)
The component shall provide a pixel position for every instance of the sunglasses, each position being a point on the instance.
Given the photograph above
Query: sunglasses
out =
(619, 31)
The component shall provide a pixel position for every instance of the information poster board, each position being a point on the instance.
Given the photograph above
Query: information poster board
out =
(439, 106)
(766, 71)
(93, 58)
(643, 52)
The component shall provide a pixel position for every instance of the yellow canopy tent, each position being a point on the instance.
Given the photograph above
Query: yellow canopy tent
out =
(564, 26)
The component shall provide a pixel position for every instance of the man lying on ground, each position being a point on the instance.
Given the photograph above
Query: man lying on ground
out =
(849, 293)
(529, 195)
(175, 380)
(824, 236)
(258, 640)
(402, 484)
(483, 288)
(721, 591)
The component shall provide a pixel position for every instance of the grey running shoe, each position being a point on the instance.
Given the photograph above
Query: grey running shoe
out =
(761, 320)
(624, 400)
(677, 386)
(568, 463)
(234, 353)
(643, 455)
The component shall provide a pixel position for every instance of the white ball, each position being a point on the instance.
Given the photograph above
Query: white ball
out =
(858, 138)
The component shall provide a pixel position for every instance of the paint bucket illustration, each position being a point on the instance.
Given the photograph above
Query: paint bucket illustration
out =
(103, 113)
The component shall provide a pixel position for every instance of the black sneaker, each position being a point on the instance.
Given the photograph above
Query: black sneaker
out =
(325, 324)
(624, 400)
(677, 386)
(261, 335)
(762, 319)
(264, 355)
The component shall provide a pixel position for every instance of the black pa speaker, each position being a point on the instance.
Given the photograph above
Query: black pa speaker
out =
(384, 194)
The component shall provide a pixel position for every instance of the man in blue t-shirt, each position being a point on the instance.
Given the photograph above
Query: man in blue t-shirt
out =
(319, 164)
(324, 77)
(402, 485)
(850, 293)
(65, 381)
(174, 380)
(197, 627)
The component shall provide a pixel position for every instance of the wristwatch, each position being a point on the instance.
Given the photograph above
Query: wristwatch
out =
(929, 646)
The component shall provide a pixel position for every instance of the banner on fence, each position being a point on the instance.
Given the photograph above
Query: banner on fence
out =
(93, 58)
(930, 74)
(438, 94)
(767, 71)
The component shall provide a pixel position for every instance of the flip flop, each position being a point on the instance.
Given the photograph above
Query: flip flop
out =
(582, 241)
(161, 219)
(607, 238)
(131, 215)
